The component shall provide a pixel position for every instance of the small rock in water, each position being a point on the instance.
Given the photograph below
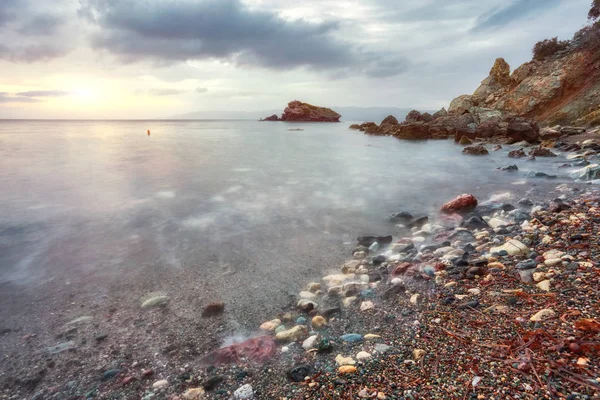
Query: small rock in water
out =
(301, 321)
(306, 305)
(310, 343)
(351, 337)
(111, 373)
(244, 393)
(461, 204)
(270, 326)
(313, 287)
(59, 348)
(363, 355)
(155, 301)
(212, 382)
(299, 372)
(370, 336)
(214, 308)
(367, 305)
(318, 322)
(382, 348)
(80, 320)
(292, 334)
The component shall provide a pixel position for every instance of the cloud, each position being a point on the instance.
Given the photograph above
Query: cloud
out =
(31, 53)
(519, 9)
(161, 92)
(201, 90)
(10, 98)
(44, 93)
(34, 96)
(7, 11)
(226, 30)
(41, 25)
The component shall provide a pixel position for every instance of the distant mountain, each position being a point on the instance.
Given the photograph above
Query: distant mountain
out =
(355, 114)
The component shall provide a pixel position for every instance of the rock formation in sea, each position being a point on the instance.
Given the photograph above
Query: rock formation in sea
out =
(304, 112)
(560, 86)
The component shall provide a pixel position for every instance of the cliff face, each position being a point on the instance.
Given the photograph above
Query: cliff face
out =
(562, 89)
(298, 111)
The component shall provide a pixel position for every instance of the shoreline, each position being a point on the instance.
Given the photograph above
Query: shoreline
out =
(390, 372)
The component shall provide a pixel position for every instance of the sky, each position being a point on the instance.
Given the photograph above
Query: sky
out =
(158, 58)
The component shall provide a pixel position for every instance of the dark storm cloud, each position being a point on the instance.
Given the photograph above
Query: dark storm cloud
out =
(167, 31)
(45, 24)
(43, 93)
(503, 16)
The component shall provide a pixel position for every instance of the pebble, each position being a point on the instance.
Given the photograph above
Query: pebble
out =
(553, 262)
(270, 326)
(542, 315)
(370, 336)
(307, 295)
(307, 305)
(160, 384)
(348, 301)
(194, 394)
(418, 354)
(544, 285)
(538, 276)
(351, 337)
(310, 342)
(291, 335)
(301, 321)
(155, 301)
(313, 287)
(341, 360)
(512, 247)
(414, 299)
(80, 320)
(318, 322)
(363, 355)
(347, 369)
(366, 305)
(244, 393)
(382, 348)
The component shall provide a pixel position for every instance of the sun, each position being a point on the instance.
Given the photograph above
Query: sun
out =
(85, 94)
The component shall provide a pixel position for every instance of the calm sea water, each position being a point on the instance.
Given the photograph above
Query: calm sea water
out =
(85, 200)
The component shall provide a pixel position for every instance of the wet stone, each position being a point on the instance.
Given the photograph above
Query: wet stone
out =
(299, 372)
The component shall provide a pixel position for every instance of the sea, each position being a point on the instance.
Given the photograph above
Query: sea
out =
(251, 211)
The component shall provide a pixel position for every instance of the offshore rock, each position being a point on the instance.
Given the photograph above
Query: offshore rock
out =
(298, 111)
(462, 204)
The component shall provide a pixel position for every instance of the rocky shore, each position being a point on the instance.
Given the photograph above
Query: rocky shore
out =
(482, 300)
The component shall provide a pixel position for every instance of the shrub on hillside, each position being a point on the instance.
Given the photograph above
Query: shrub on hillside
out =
(594, 12)
(549, 47)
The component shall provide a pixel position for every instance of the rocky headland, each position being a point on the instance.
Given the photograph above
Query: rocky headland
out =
(554, 95)
(296, 111)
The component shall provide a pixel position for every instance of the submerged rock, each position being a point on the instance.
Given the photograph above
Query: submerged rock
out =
(258, 349)
(214, 308)
(475, 151)
(155, 301)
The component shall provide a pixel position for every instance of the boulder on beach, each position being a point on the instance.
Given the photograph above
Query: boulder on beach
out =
(460, 205)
